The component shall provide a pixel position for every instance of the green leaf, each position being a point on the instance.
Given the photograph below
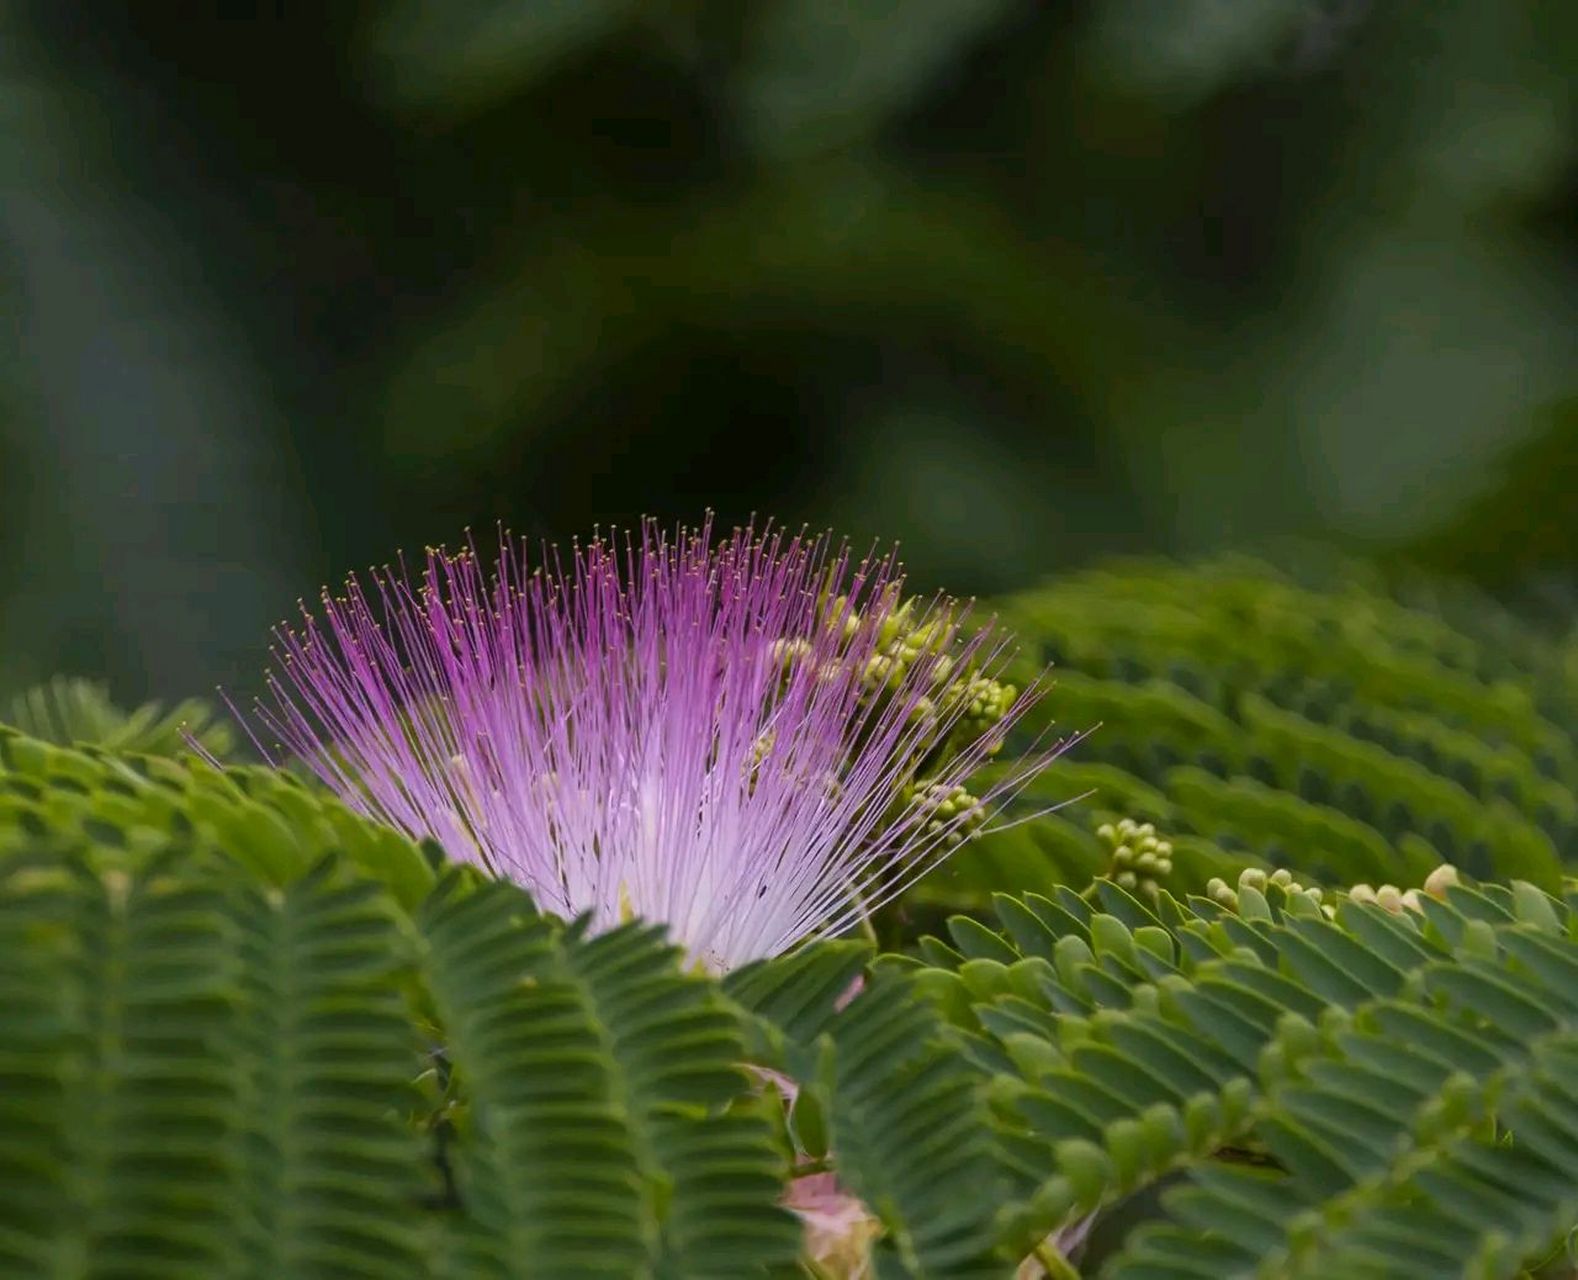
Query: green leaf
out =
(70, 711)
(464, 56)
(816, 76)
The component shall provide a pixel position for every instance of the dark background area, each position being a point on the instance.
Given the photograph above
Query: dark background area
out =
(1018, 284)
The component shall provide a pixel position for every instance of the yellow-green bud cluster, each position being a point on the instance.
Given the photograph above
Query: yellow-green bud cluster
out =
(788, 652)
(905, 637)
(1390, 898)
(952, 813)
(978, 701)
(985, 702)
(900, 643)
(1260, 880)
(899, 630)
(759, 752)
(1141, 860)
(913, 638)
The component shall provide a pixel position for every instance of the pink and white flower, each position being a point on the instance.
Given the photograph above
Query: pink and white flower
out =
(724, 739)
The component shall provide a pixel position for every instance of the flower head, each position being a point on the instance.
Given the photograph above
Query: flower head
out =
(752, 743)
(839, 1228)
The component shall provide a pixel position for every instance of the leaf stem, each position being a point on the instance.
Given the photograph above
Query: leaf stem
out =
(1054, 1263)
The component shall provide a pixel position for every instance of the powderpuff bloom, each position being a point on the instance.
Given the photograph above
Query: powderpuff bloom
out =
(752, 743)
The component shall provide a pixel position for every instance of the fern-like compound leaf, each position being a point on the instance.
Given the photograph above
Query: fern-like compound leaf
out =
(1349, 731)
(71, 711)
(202, 1079)
(1336, 1089)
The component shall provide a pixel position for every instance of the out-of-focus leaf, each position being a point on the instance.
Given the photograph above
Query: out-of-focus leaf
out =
(1526, 518)
(266, 336)
(461, 56)
(1487, 115)
(1181, 50)
(825, 244)
(817, 75)
(70, 711)
(1490, 344)
(164, 532)
(989, 507)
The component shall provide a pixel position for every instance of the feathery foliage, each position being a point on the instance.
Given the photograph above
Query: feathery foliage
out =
(882, 1087)
(1366, 1094)
(1355, 731)
(249, 1033)
(69, 710)
(245, 1031)
(124, 808)
(202, 1078)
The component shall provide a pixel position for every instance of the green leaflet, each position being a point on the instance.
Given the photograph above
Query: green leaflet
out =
(384, 1071)
(245, 1031)
(67, 711)
(1370, 1095)
(230, 1048)
(124, 808)
(203, 1079)
(1332, 728)
(599, 1137)
(905, 1111)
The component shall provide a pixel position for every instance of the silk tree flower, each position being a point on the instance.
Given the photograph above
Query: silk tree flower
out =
(839, 1228)
(753, 743)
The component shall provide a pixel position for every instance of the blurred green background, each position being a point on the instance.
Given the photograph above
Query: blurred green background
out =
(1017, 283)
